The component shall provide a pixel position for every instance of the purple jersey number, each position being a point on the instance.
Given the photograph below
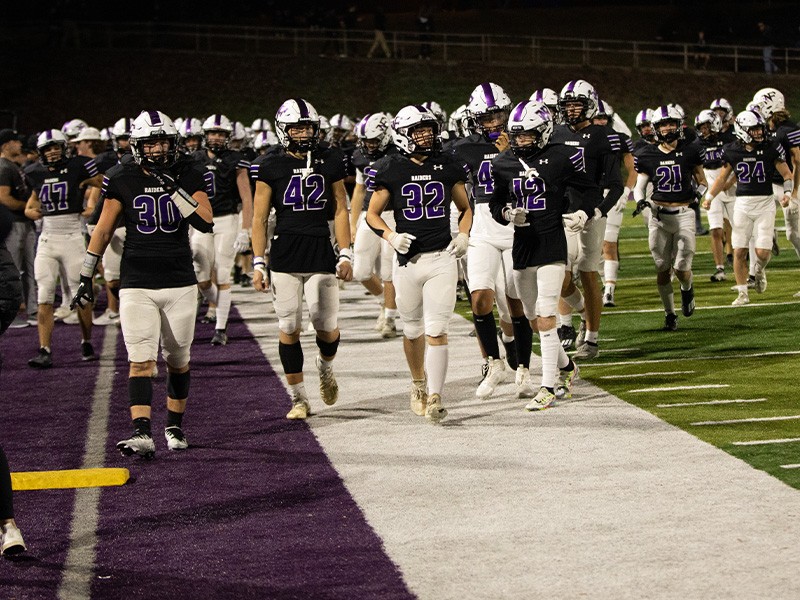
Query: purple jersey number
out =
(156, 214)
(669, 179)
(427, 201)
(529, 193)
(305, 194)
(746, 172)
(53, 197)
(484, 178)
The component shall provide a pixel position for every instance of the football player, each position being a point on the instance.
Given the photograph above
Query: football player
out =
(489, 264)
(530, 183)
(708, 126)
(158, 287)
(670, 166)
(726, 115)
(599, 147)
(57, 198)
(755, 160)
(374, 141)
(773, 108)
(301, 180)
(420, 182)
(227, 186)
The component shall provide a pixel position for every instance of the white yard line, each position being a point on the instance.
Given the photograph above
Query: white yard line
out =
(751, 420)
(650, 374)
(638, 311)
(619, 350)
(766, 442)
(678, 388)
(654, 361)
(794, 466)
(712, 402)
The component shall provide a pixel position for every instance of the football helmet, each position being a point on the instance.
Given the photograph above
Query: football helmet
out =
(604, 111)
(664, 115)
(578, 91)
(750, 127)
(341, 126)
(456, 121)
(374, 135)
(770, 100)
(438, 111)
(533, 121)
(217, 123)
(264, 139)
(190, 135)
(710, 118)
(724, 107)
(106, 134)
(644, 124)
(260, 125)
(48, 138)
(679, 108)
(756, 108)
(239, 137)
(297, 113)
(407, 122)
(489, 101)
(324, 128)
(73, 127)
(151, 126)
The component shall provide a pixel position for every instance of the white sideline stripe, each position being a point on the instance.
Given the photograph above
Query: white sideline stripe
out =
(660, 373)
(752, 420)
(717, 307)
(735, 401)
(764, 442)
(79, 565)
(795, 466)
(620, 350)
(654, 361)
(678, 388)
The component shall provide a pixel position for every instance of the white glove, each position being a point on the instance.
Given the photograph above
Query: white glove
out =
(793, 206)
(401, 241)
(598, 214)
(576, 221)
(623, 200)
(518, 216)
(242, 242)
(458, 246)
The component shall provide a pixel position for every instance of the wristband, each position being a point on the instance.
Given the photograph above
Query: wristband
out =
(259, 260)
(89, 264)
(788, 186)
(185, 203)
(701, 190)
(345, 254)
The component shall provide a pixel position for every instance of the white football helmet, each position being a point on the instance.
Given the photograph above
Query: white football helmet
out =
(721, 105)
(710, 118)
(374, 135)
(546, 96)
(122, 127)
(260, 125)
(150, 126)
(664, 115)
(488, 100)
(324, 128)
(756, 108)
(438, 111)
(239, 136)
(106, 134)
(679, 108)
(220, 124)
(297, 112)
(407, 121)
(456, 121)
(73, 127)
(264, 139)
(51, 137)
(770, 100)
(532, 119)
(190, 135)
(578, 91)
(750, 127)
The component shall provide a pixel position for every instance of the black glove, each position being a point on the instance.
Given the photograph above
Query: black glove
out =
(85, 294)
(166, 180)
(640, 206)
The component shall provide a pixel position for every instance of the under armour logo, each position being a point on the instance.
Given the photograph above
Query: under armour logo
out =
(319, 161)
(438, 167)
(543, 161)
(759, 152)
(586, 136)
(679, 154)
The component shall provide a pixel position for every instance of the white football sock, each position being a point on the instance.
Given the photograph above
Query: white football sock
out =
(667, 297)
(436, 358)
(223, 308)
(550, 345)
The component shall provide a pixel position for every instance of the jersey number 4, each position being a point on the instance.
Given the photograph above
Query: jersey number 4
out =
(53, 197)
(423, 201)
(305, 194)
(155, 214)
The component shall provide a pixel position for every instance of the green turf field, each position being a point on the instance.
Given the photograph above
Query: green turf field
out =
(740, 358)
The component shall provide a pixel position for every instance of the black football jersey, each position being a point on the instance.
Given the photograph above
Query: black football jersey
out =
(711, 150)
(540, 186)
(303, 202)
(788, 136)
(156, 253)
(477, 153)
(364, 164)
(220, 177)
(638, 145)
(727, 136)
(106, 160)
(599, 147)
(420, 198)
(59, 189)
(670, 172)
(755, 169)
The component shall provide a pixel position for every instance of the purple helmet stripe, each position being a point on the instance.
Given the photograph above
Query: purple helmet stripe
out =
(364, 125)
(571, 86)
(488, 95)
(518, 111)
(217, 120)
(49, 135)
(421, 108)
(155, 118)
(301, 104)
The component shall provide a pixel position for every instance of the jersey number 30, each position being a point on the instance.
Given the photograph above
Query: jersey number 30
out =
(155, 214)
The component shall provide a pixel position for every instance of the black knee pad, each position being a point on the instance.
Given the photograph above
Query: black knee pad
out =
(291, 357)
(178, 385)
(328, 348)
(140, 391)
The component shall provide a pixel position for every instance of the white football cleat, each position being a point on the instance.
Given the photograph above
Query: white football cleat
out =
(494, 375)
(139, 443)
(522, 380)
(565, 382)
(328, 388)
(434, 411)
(109, 317)
(176, 440)
(419, 400)
(12, 540)
(742, 299)
(544, 399)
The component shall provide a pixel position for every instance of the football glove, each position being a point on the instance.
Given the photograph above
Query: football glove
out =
(576, 221)
(85, 293)
(640, 206)
(401, 241)
(242, 241)
(458, 246)
(518, 216)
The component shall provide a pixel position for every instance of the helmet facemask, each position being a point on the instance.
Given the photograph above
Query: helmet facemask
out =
(492, 123)
(302, 136)
(671, 135)
(48, 156)
(425, 138)
(217, 140)
(151, 152)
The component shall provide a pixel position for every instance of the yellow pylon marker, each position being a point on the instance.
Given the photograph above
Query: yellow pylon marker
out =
(70, 478)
